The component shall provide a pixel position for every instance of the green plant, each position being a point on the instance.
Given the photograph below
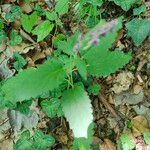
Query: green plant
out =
(88, 11)
(138, 30)
(80, 57)
(126, 4)
(38, 141)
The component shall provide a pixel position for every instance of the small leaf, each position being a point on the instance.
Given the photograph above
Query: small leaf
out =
(139, 10)
(125, 142)
(62, 6)
(24, 142)
(77, 110)
(138, 29)
(147, 138)
(15, 38)
(41, 141)
(51, 15)
(125, 4)
(94, 89)
(20, 62)
(28, 21)
(24, 107)
(52, 107)
(43, 29)
(2, 36)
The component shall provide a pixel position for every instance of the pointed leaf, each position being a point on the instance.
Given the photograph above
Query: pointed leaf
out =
(42, 30)
(77, 109)
(34, 82)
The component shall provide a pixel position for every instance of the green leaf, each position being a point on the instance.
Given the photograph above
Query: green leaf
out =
(84, 143)
(20, 62)
(125, 142)
(139, 10)
(24, 142)
(52, 107)
(2, 36)
(41, 141)
(34, 82)
(138, 30)
(1, 24)
(68, 45)
(51, 15)
(28, 21)
(15, 39)
(24, 107)
(62, 6)
(13, 14)
(125, 4)
(82, 68)
(103, 64)
(95, 49)
(147, 138)
(94, 89)
(77, 110)
(43, 29)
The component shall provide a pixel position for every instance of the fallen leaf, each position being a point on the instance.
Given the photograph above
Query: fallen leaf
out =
(139, 125)
(108, 145)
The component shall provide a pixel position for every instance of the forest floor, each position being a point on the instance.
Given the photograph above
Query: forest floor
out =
(124, 102)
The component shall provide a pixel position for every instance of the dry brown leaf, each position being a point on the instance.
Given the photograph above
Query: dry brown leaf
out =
(122, 82)
(22, 49)
(108, 145)
(139, 125)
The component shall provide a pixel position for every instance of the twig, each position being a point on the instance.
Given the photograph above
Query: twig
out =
(111, 110)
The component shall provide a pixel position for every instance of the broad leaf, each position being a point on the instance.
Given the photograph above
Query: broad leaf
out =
(15, 39)
(41, 141)
(62, 6)
(77, 110)
(52, 107)
(138, 29)
(24, 142)
(147, 138)
(95, 49)
(28, 21)
(125, 4)
(34, 82)
(42, 30)
(103, 64)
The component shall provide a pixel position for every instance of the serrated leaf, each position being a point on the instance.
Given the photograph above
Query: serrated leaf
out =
(52, 107)
(139, 10)
(15, 39)
(67, 45)
(42, 30)
(103, 64)
(20, 62)
(138, 29)
(41, 141)
(94, 89)
(2, 36)
(28, 21)
(77, 110)
(23, 142)
(24, 107)
(62, 6)
(82, 68)
(125, 4)
(34, 82)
